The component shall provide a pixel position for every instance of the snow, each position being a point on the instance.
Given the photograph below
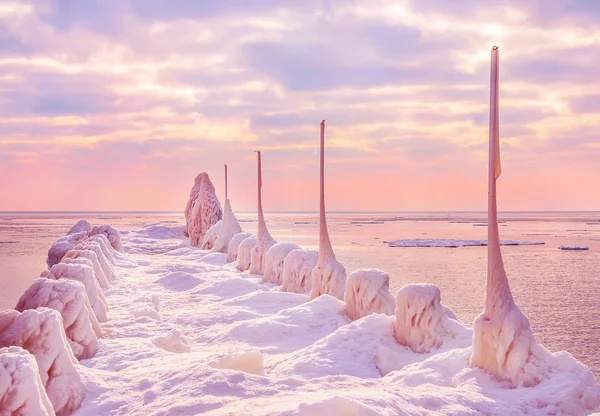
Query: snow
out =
(112, 234)
(367, 292)
(21, 389)
(229, 229)
(69, 298)
(297, 268)
(234, 245)
(251, 362)
(62, 246)
(442, 242)
(244, 256)
(82, 225)
(274, 259)
(40, 331)
(574, 248)
(173, 342)
(210, 238)
(203, 209)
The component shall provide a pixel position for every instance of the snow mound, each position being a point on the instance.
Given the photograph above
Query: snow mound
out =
(244, 256)
(210, 238)
(367, 292)
(82, 225)
(179, 281)
(330, 279)
(234, 245)
(80, 256)
(229, 229)
(297, 268)
(112, 234)
(452, 243)
(41, 332)
(68, 297)
(574, 248)
(274, 259)
(173, 342)
(203, 209)
(257, 255)
(61, 246)
(21, 389)
(251, 362)
(84, 274)
(420, 320)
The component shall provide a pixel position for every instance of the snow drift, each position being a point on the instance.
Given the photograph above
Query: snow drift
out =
(234, 245)
(229, 229)
(244, 256)
(367, 292)
(203, 209)
(297, 268)
(210, 238)
(274, 259)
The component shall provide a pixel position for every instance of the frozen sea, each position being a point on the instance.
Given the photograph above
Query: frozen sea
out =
(558, 290)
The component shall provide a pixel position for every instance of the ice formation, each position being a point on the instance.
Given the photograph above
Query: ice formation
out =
(210, 238)
(112, 234)
(62, 246)
(503, 344)
(264, 241)
(329, 275)
(230, 228)
(251, 362)
(40, 331)
(82, 225)
(297, 268)
(420, 320)
(244, 254)
(69, 298)
(102, 260)
(203, 209)
(367, 292)
(274, 259)
(83, 273)
(105, 246)
(174, 341)
(21, 389)
(234, 245)
(80, 256)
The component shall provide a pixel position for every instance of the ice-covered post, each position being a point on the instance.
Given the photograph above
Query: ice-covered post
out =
(325, 249)
(226, 182)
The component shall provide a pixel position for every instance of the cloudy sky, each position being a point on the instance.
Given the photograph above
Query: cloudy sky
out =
(118, 104)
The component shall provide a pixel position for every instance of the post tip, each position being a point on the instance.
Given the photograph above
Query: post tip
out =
(494, 48)
(323, 122)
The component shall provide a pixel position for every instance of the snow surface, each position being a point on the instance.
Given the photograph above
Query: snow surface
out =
(203, 209)
(234, 245)
(210, 238)
(81, 225)
(274, 259)
(112, 234)
(297, 268)
(367, 292)
(244, 256)
(442, 242)
(229, 229)
(21, 389)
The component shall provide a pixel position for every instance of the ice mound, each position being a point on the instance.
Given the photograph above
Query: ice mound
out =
(21, 389)
(244, 256)
(574, 248)
(329, 279)
(179, 281)
(203, 209)
(420, 320)
(88, 257)
(41, 332)
(452, 243)
(61, 246)
(105, 246)
(234, 245)
(68, 297)
(93, 246)
(251, 362)
(229, 229)
(84, 274)
(82, 225)
(173, 342)
(210, 238)
(367, 292)
(274, 259)
(297, 268)
(112, 234)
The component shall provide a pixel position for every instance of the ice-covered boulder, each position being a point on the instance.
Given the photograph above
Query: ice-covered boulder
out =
(204, 209)
(328, 279)
(95, 247)
(21, 388)
(68, 297)
(105, 246)
(420, 322)
(112, 234)
(210, 238)
(82, 225)
(234, 245)
(41, 332)
(297, 267)
(244, 256)
(229, 229)
(83, 273)
(61, 246)
(88, 257)
(367, 292)
(274, 258)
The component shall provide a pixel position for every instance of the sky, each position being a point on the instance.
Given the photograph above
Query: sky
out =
(118, 104)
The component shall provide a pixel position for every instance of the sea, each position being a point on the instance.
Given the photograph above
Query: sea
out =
(558, 290)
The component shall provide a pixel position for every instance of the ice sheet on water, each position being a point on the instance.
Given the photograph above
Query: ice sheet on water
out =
(450, 242)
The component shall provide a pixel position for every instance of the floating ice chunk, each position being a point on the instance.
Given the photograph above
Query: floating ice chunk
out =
(420, 320)
(173, 342)
(274, 259)
(62, 246)
(574, 248)
(297, 268)
(21, 389)
(82, 225)
(112, 234)
(83, 273)
(251, 362)
(204, 210)
(453, 243)
(210, 238)
(329, 279)
(75, 256)
(69, 298)
(234, 244)
(244, 256)
(229, 229)
(41, 332)
(367, 292)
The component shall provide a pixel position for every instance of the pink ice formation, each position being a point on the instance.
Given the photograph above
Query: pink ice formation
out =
(367, 292)
(234, 245)
(297, 268)
(229, 227)
(203, 209)
(274, 260)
